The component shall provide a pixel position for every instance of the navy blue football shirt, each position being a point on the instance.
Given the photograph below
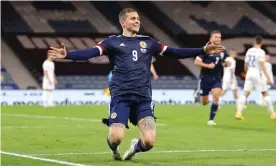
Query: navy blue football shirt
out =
(217, 59)
(131, 59)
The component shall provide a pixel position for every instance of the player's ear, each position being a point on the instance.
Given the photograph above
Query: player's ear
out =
(122, 22)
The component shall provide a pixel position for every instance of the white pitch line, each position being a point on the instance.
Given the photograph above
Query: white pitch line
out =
(43, 159)
(52, 117)
(60, 117)
(160, 152)
(40, 127)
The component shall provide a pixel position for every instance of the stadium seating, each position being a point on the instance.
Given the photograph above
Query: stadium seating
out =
(7, 81)
(101, 82)
(83, 24)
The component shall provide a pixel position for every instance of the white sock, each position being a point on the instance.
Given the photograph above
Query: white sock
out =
(50, 98)
(269, 104)
(261, 101)
(236, 101)
(241, 103)
(45, 97)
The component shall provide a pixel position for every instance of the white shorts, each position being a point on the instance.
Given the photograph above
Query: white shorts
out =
(47, 86)
(229, 84)
(255, 83)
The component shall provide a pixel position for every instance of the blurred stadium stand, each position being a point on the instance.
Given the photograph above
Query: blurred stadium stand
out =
(29, 28)
(6, 80)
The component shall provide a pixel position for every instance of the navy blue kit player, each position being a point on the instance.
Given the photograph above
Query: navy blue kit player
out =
(211, 75)
(130, 55)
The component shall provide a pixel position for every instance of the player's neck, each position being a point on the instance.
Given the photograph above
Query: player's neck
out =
(257, 46)
(129, 34)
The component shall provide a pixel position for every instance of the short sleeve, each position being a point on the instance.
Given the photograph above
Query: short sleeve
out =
(261, 56)
(46, 66)
(200, 57)
(105, 46)
(246, 59)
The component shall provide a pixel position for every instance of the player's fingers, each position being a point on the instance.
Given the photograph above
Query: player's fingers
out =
(52, 51)
(62, 45)
(53, 55)
(56, 49)
(208, 43)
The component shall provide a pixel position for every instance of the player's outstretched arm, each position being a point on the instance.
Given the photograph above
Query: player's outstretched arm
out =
(182, 53)
(61, 53)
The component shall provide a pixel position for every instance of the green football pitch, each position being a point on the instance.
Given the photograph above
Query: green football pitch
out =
(74, 135)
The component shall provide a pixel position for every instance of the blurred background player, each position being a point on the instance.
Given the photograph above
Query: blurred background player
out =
(229, 80)
(49, 82)
(254, 66)
(268, 67)
(210, 75)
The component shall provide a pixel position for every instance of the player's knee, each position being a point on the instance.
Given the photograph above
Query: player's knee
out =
(115, 138)
(116, 134)
(204, 102)
(149, 143)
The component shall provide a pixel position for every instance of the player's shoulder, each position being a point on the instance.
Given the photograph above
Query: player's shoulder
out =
(145, 38)
(46, 62)
(229, 58)
(262, 51)
(108, 39)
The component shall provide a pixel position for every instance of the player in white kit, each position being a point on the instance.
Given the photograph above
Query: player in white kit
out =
(49, 82)
(268, 67)
(254, 66)
(229, 80)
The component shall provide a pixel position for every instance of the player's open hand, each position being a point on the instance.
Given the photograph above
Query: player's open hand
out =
(210, 48)
(58, 53)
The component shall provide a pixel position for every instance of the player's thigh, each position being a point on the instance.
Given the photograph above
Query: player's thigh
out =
(119, 109)
(226, 84)
(234, 84)
(144, 117)
(216, 89)
(205, 88)
(147, 127)
(260, 85)
(248, 85)
(48, 86)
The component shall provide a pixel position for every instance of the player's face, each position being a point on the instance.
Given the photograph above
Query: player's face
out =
(216, 38)
(132, 22)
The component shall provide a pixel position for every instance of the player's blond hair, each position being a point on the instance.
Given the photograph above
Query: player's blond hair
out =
(122, 15)
(214, 32)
